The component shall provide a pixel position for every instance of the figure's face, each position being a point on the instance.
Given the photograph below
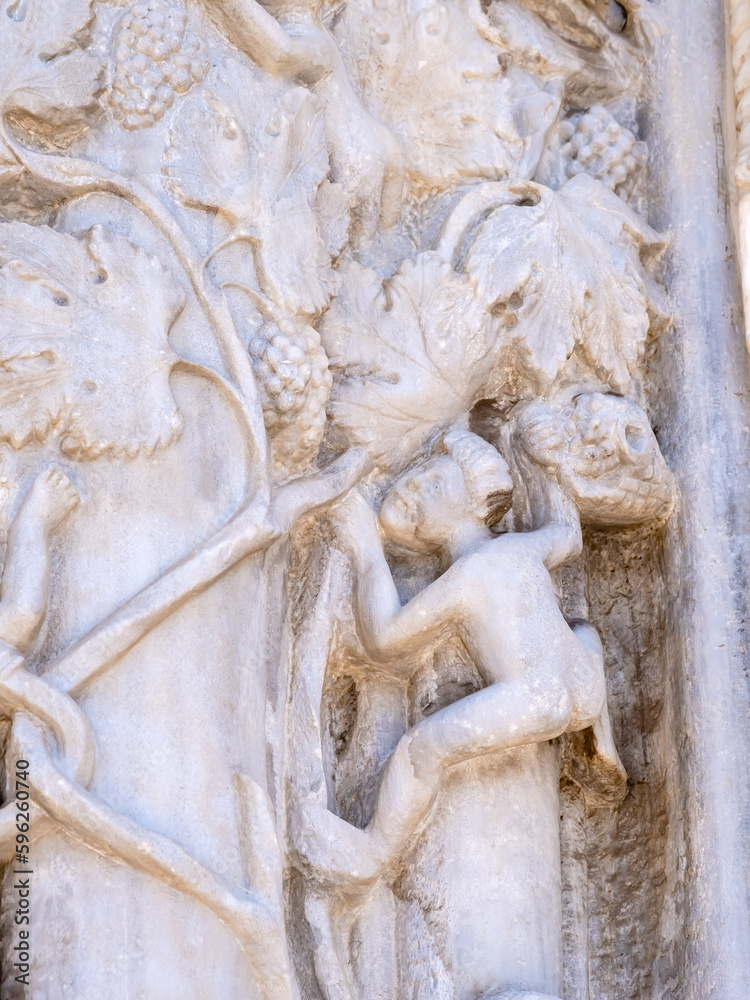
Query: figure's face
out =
(613, 432)
(425, 506)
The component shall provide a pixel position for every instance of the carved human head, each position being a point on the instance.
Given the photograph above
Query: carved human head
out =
(616, 467)
(465, 481)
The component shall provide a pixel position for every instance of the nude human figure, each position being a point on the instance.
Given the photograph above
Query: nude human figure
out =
(288, 38)
(543, 676)
(25, 581)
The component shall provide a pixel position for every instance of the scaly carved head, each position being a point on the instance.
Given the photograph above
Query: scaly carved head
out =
(605, 454)
(609, 431)
(466, 482)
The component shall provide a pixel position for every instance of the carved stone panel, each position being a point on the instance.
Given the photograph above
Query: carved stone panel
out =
(373, 501)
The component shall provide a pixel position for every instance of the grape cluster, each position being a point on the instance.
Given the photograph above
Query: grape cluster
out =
(154, 57)
(291, 370)
(596, 144)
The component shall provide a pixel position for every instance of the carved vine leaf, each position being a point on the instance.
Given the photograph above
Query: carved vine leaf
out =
(265, 181)
(574, 272)
(48, 83)
(84, 352)
(541, 282)
(600, 62)
(295, 259)
(208, 162)
(409, 355)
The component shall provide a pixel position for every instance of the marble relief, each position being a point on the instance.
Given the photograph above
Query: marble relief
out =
(324, 332)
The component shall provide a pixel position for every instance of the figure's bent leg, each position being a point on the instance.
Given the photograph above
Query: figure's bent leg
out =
(26, 575)
(505, 714)
(341, 854)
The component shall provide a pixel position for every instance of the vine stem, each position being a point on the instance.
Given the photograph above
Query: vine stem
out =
(250, 529)
(257, 925)
(88, 177)
(253, 917)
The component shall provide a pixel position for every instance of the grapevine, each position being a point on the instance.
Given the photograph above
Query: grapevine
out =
(154, 58)
(294, 383)
(596, 144)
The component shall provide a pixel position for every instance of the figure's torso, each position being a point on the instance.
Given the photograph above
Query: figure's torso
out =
(511, 621)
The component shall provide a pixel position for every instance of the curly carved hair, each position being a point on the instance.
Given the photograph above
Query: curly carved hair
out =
(485, 473)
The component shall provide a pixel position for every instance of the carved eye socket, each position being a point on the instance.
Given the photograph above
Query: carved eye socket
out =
(60, 299)
(636, 437)
(100, 276)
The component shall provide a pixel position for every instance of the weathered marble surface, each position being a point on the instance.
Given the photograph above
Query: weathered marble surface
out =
(373, 435)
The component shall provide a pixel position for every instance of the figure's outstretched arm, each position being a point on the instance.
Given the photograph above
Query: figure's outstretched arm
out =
(539, 440)
(253, 30)
(559, 541)
(387, 628)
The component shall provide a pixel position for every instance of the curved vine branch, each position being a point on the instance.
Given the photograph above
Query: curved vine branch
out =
(44, 705)
(256, 923)
(87, 177)
(262, 303)
(250, 530)
(22, 691)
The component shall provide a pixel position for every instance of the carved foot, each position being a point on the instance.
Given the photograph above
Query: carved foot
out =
(336, 853)
(594, 763)
(607, 759)
(51, 498)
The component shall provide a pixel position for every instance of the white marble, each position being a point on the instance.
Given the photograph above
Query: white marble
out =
(371, 477)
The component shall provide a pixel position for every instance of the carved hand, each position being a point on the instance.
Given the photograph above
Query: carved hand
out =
(540, 431)
(309, 493)
(355, 523)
